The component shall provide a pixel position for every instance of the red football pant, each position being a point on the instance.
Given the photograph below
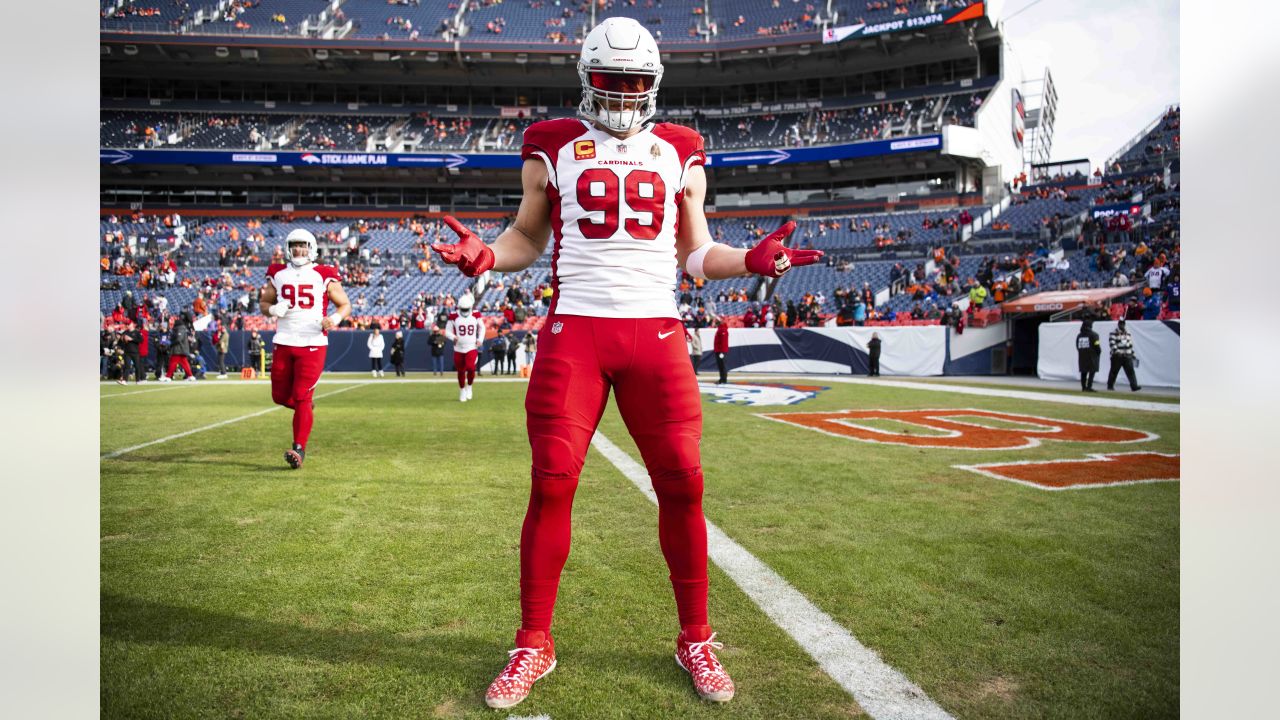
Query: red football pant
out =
(644, 362)
(465, 364)
(179, 360)
(294, 374)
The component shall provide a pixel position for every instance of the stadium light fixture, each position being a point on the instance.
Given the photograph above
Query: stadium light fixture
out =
(130, 49)
(321, 54)
(221, 52)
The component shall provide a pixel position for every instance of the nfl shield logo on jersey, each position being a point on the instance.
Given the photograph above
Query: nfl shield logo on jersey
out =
(556, 328)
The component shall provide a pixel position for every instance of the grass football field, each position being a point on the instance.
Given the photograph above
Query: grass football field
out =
(380, 581)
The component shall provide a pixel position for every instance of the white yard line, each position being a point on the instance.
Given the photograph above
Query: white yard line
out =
(882, 691)
(123, 451)
(353, 378)
(166, 386)
(174, 386)
(1013, 394)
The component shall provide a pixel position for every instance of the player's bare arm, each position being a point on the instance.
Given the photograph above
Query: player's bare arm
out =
(520, 245)
(341, 306)
(269, 303)
(721, 261)
(715, 261)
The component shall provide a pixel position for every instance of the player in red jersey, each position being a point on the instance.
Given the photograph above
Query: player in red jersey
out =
(623, 198)
(298, 294)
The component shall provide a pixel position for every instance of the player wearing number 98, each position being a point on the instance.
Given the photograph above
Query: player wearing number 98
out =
(623, 199)
(298, 295)
(465, 330)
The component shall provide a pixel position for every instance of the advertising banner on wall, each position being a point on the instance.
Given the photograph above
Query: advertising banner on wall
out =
(942, 17)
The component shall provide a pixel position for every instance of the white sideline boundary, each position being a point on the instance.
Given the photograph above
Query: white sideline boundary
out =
(163, 387)
(355, 378)
(1064, 398)
(1013, 394)
(273, 408)
(882, 691)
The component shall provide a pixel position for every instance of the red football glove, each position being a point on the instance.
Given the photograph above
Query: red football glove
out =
(771, 259)
(470, 254)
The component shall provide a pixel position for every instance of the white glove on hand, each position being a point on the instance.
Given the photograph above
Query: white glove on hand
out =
(279, 309)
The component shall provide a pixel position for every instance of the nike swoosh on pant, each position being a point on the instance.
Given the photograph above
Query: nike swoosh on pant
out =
(664, 336)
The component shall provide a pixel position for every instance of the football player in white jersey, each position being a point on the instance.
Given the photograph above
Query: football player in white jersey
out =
(465, 330)
(298, 293)
(623, 198)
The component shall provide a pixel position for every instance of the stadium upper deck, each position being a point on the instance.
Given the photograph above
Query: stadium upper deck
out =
(673, 22)
(918, 112)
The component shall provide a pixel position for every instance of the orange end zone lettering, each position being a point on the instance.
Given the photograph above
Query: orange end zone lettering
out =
(1098, 470)
(958, 431)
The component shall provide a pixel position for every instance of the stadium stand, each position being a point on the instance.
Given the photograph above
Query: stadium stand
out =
(1155, 148)
(424, 130)
(163, 16)
(262, 17)
(535, 20)
(404, 19)
(543, 21)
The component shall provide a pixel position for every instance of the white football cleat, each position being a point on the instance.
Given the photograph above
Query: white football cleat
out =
(468, 392)
(462, 394)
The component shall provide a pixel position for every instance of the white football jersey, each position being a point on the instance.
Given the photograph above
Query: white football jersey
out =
(306, 289)
(466, 332)
(615, 210)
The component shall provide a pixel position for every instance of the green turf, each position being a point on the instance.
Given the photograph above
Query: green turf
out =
(380, 581)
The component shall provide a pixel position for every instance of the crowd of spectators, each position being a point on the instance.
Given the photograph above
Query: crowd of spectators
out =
(171, 14)
(425, 130)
